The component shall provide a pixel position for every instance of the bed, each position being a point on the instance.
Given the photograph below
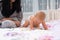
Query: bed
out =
(25, 34)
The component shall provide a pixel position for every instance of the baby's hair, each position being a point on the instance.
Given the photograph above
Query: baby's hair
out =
(40, 14)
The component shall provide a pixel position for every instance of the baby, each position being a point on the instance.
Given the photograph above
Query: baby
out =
(36, 20)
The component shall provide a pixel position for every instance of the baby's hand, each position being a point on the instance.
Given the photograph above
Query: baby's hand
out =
(44, 25)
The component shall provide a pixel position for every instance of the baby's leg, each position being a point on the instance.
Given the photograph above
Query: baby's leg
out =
(26, 23)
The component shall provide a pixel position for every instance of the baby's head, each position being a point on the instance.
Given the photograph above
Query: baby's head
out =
(40, 15)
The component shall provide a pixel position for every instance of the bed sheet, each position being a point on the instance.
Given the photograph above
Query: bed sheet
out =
(25, 34)
(54, 25)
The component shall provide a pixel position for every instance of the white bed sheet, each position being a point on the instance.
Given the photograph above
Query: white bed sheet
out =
(54, 25)
(25, 34)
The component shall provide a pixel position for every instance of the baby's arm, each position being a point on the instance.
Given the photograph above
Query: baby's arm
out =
(31, 24)
(44, 25)
(26, 23)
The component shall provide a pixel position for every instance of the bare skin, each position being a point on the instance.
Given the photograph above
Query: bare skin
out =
(35, 21)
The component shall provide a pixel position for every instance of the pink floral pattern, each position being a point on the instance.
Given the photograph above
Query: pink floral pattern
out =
(46, 38)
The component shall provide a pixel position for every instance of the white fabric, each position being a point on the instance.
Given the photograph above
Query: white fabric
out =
(53, 25)
(25, 34)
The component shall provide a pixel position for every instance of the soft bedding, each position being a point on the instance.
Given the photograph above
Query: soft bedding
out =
(54, 25)
(25, 34)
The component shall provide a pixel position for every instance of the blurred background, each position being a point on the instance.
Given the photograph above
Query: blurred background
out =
(50, 7)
